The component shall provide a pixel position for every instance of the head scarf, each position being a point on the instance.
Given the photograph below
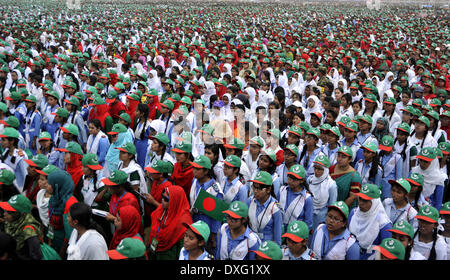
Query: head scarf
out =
(74, 168)
(380, 133)
(319, 187)
(432, 176)
(17, 231)
(193, 63)
(112, 156)
(63, 187)
(154, 82)
(100, 113)
(366, 225)
(167, 225)
(131, 225)
(131, 109)
(159, 60)
(314, 109)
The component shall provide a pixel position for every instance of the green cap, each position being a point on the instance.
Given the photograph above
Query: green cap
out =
(444, 147)
(387, 143)
(335, 130)
(390, 100)
(7, 177)
(416, 179)
(128, 148)
(391, 248)
(404, 127)
(322, 160)
(274, 132)
(369, 192)
(233, 161)
(47, 170)
(118, 128)
(298, 171)
(293, 148)
(351, 126)
(304, 125)
(424, 120)
(207, 128)
(314, 131)
(70, 128)
(159, 166)
(236, 143)
(371, 98)
(72, 147)
(257, 140)
(445, 209)
(73, 101)
(346, 150)
(183, 147)
(402, 182)
(372, 146)
(30, 98)
(201, 228)
(237, 210)
(10, 132)
(427, 154)
(433, 114)
(270, 153)
(17, 203)
(168, 104)
(341, 206)
(269, 250)
(161, 137)
(201, 161)
(366, 118)
(124, 116)
(263, 177)
(428, 213)
(91, 160)
(297, 231)
(295, 130)
(128, 248)
(404, 228)
(39, 160)
(62, 112)
(117, 177)
(11, 121)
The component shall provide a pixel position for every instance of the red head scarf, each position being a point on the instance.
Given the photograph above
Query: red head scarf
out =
(153, 107)
(101, 114)
(115, 108)
(74, 168)
(131, 225)
(167, 225)
(131, 110)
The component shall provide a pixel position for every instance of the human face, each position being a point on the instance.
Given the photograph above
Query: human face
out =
(289, 157)
(404, 239)
(93, 130)
(318, 170)
(234, 223)
(420, 127)
(311, 103)
(66, 158)
(255, 149)
(310, 140)
(295, 247)
(398, 193)
(426, 227)
(349, 134)
(199, 173)
(294, 183)
(364, 205)
(424, 164)
(190, 240)
(181, 157)
(334, 220)
(296, 120)
(343, 160)
(261, 194)
(368, 155)
(228, 170)
(264, 162)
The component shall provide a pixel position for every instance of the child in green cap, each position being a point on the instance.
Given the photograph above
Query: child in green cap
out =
(195, 239)
(392, 164)
(296, 236)
(404, 232)
(397, 206)
(404, 148)
(427, 241)
(444, 229)
(235, 240)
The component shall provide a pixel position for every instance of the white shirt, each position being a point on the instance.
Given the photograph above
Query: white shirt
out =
(42, 205)
(90, 246)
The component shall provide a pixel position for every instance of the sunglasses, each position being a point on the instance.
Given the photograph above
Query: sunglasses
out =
(165, 198)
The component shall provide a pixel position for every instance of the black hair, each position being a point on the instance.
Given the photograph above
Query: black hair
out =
(143, 108)
(96, 123)
(215, 149)
(212, 98)
(348, 98)
(334, 104)
(432, 255)
(83, 214)
(271, 169)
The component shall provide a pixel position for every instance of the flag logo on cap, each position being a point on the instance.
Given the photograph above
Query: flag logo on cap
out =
(235, 207)
(425, 152)
(386, 142)
(365, 188)
(120, 246)
(414, 176)
(401, 224)
(390, 244)
(426, 210)
(340, 204)
(294, 228)
(297, 168)
(264, 246)
(321, 157)
(13, 199)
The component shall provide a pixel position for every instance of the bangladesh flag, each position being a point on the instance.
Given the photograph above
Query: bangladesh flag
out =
(210, 205)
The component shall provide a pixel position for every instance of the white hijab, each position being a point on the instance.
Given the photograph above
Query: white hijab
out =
(432, 176)
(366, 225)
(319, 188)
(154, 82)
(316, 107)
(193, 63)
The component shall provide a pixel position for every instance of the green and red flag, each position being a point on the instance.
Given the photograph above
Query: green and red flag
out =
(211, 205)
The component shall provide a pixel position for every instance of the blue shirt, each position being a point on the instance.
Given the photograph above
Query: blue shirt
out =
(232, 243)
(272, 231)
(184, 255)
(353, 253)
(242, 194)
(306, 215)
(214, 225)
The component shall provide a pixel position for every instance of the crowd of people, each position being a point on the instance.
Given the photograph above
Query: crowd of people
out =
(324, 130)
